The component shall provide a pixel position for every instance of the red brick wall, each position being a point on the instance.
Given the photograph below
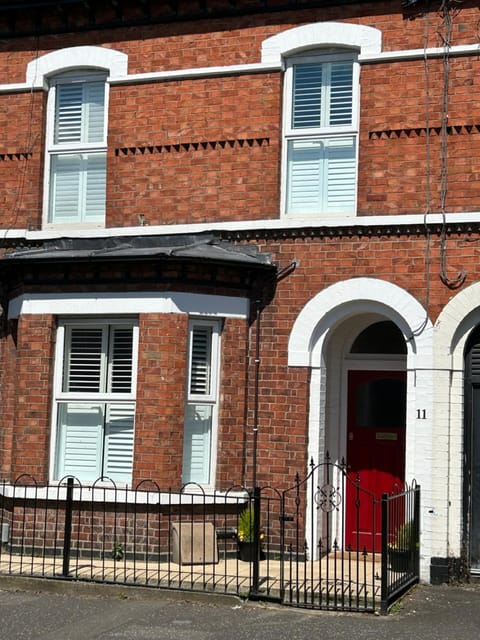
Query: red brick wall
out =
(160, 398)
(235, 176)
(21, 159)
(233, 404)
(33, 380)
(194, 151)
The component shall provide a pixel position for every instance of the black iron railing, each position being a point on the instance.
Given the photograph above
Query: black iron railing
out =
(298, 546)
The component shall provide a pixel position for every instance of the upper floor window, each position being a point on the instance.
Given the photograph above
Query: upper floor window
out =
(76, 149)
(320, 134)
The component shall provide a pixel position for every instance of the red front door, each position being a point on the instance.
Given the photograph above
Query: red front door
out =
(375, 450)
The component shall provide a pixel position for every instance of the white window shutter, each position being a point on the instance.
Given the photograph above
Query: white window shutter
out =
(307, 95)
(341, 175)
(321, 176)
(95, 182)
(68, 114)
(196, 444)
(119, 436)
(341, 94)
(200, 360)
(94, 111)
(84, 360)
(80, 441)
(305, 171)
(78, 187)
(121, 360)
(65, 188)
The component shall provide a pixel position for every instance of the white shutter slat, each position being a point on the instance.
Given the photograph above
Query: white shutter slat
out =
(119, 436)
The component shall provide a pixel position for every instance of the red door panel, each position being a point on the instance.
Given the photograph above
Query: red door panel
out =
(376, 413)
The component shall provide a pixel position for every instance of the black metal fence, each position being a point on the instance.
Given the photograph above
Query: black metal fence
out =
(303, 547)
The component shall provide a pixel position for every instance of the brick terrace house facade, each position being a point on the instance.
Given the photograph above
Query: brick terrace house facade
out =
(174, 175)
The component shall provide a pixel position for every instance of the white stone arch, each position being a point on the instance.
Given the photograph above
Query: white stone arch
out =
(453, 326)
(366, 40)
(39, 69)
(352, 297)
(334, 310)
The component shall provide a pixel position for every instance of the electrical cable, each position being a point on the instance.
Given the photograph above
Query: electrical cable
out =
(447, 15)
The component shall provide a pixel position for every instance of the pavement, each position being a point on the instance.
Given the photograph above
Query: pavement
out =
(54, 610)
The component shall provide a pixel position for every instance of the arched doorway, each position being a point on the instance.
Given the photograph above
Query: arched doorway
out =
(375, 423)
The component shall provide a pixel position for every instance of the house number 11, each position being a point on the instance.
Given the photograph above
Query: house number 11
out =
(421, 414)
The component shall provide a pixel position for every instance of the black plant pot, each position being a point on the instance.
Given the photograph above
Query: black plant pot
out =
(246, 552)
(401, 561)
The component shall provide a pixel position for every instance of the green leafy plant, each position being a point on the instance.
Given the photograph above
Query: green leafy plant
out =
(405, 539)
(246, 525)
(117, 551)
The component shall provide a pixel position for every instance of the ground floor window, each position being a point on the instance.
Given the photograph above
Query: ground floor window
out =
(199, 436)
(94, 412)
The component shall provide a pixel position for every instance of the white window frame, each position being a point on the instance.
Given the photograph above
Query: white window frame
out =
(210, 399)
(60, 396)
(51, 149)
(291, 134)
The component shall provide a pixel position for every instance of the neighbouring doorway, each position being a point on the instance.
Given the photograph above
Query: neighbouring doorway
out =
(471, 486)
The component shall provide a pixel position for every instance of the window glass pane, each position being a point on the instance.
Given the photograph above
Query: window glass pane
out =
(380, 337)
(381, 404)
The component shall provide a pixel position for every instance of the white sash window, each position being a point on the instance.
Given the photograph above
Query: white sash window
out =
(320, 135)
(95, 400)
(77, 147)
(199, 438)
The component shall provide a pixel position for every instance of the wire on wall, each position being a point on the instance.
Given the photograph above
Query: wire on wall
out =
(447, 13)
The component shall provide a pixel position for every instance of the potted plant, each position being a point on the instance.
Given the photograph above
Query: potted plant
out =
(246, 535)
(401, 553)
